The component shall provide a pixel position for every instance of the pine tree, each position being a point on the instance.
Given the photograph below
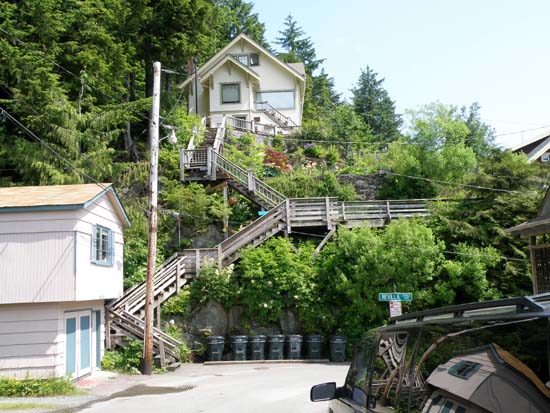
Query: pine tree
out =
(372, 102)
(297, 47)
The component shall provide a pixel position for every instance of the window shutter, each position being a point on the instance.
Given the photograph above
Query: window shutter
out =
(111, 249)
(94, 243)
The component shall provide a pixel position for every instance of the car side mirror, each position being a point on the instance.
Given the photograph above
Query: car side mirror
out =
(323, 392)
(371, 401)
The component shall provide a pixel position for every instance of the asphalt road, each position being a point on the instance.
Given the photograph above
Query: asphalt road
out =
(264, 388)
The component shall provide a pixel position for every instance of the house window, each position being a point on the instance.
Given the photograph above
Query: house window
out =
(251, 59)
(102, 246)
(545, 157)
(231, 93)
(279, 100)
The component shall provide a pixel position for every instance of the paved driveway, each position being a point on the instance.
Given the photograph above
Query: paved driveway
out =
(263, 388)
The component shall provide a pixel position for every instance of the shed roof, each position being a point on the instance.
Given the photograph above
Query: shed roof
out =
(57, 197)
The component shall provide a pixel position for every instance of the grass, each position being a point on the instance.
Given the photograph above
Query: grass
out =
(36, 387)
(26, 406)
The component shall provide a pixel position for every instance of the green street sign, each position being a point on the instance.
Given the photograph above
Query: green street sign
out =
(395, 296)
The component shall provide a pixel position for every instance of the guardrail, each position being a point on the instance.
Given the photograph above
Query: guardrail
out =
(328, 212)
(247, 179)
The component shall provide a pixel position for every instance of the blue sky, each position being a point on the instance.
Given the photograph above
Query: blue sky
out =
(496, 53)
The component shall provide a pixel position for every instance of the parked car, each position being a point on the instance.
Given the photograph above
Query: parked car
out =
(474, 358)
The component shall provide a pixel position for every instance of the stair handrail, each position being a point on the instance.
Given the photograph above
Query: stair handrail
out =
(260, 188)
(166, 272)
(134, 326)
(241, 238)
(279, 115)
(220, 134)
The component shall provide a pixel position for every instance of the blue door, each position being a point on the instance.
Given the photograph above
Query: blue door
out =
(78, 343)
(70, 344)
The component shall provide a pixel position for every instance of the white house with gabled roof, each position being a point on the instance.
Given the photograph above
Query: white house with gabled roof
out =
(247, 82)
(61, 257)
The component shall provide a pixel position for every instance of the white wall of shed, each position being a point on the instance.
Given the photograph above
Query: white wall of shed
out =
(96, 281)
(32, 338)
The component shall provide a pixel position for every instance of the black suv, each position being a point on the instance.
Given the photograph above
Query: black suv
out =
(474, 358)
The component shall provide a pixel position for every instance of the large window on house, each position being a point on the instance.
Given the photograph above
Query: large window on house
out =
(279, 100)
(102, 246)
(231, 93)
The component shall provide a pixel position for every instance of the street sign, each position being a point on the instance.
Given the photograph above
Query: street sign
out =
(395, 296)
(395, 309)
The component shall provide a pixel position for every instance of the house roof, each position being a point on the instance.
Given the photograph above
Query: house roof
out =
(539, 225)
(535, 147)
(58, 197)
(292, 68)
(227, 58)
(299, 67)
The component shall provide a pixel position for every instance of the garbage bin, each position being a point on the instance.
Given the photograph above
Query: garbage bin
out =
(257, 347)
(314, 348)
(238, 347)
(294, 347)
(338, 348)
(275, 347)
(214, 348)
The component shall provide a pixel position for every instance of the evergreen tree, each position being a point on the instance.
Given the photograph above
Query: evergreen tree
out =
(232, 17)
(297, 47)
(372, 102)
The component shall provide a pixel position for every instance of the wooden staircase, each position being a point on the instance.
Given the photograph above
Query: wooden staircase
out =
(125, 314)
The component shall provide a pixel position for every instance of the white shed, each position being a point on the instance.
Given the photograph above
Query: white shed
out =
(61, 257)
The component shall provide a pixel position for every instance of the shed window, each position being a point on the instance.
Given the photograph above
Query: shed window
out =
(231, 93)
(102, 246)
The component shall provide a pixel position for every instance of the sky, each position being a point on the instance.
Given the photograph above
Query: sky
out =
(458, 52)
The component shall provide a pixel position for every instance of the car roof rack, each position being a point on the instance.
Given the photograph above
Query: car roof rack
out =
(518, 305)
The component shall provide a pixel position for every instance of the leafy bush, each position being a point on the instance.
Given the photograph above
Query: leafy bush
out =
(36, 387)
(178, 304)
(276, 277)
(303, 183)
(214, 284)
(125, 359)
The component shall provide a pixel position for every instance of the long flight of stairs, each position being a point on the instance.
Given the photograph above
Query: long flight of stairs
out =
(125, 315)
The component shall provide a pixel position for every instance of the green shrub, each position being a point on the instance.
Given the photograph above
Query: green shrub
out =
(124, 360)
(214, 284)
(178, 304)
(36, 387)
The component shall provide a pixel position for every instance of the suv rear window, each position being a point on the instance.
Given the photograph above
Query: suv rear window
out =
(472, 365)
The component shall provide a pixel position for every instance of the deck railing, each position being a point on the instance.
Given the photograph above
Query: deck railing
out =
(329, 212)
(247, 179)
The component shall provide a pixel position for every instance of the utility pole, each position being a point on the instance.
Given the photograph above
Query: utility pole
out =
(152, 245)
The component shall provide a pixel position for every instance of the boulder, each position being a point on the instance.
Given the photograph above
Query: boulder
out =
(207, 319)
(290, 324)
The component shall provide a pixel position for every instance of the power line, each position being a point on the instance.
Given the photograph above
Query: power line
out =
(485, 188)
(486, 255)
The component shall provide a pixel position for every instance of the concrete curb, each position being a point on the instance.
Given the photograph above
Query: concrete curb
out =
(229, 362)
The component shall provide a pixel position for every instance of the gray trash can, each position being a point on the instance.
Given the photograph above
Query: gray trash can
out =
(214, 348)
(294, 347)
(314, 346)
(338, 348)
(238, 347)
(275, 345)
(257, 347)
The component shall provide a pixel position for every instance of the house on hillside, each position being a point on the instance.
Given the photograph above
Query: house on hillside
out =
(60, 259)
(536, 149)
(246, 82)
(538, 232)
